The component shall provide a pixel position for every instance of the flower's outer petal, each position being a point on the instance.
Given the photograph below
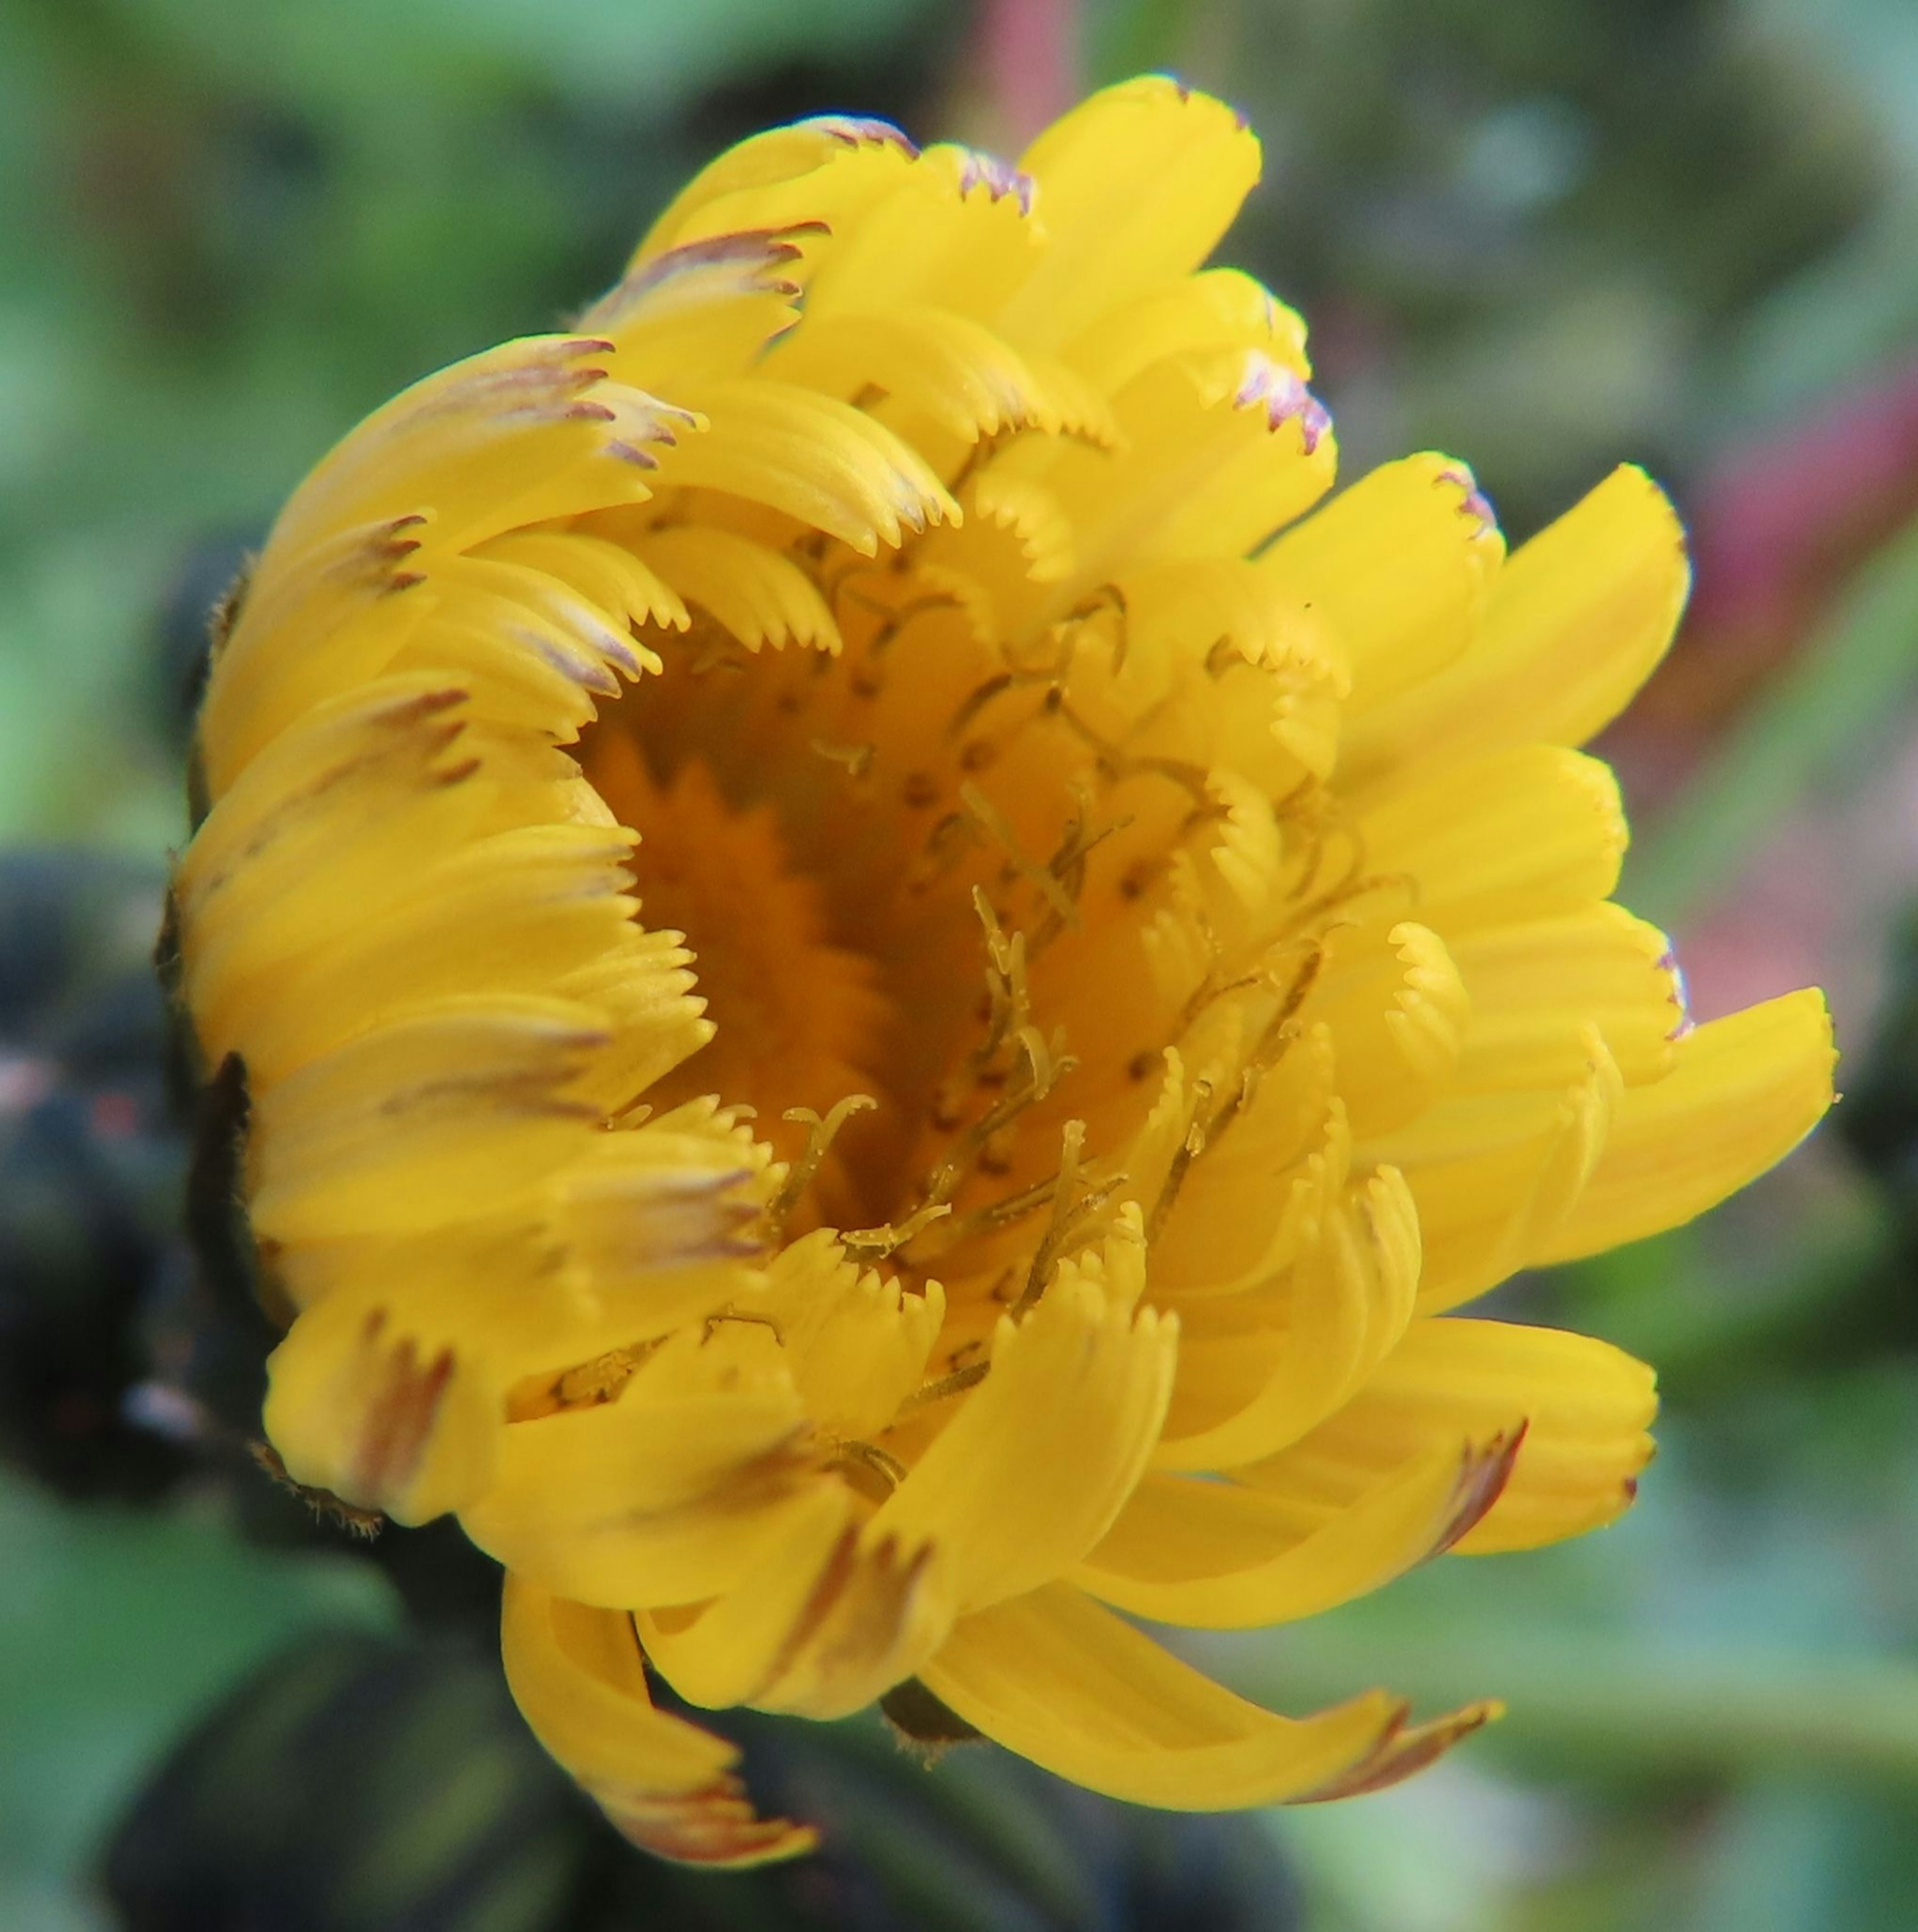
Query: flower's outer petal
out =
(606, 574)
(1400, 565)
(1077, 1391)
(1066, 1683)
(1221, 450)
(1584, 1404)
(1579, 617)
(362, 1402)
(532, 429)
(578, 1677)
(659, 1226)
(832, 168)
(495, 587)
(1280, 722)
(321, 625)
(662, 1494)
(1405, 1750)
(1225, 1557)
(625, 1245)
(759, 596)
(1276, 1372)
(387, 759)
(1133, 188)
(1517, 834)
(954, 230)
(1493, 1175)
(948, 368)
(515, 435)
(1744, 1091)
(1534, 986)
(506, 682)
(440, 1115)
(813, 458)
(825, 1622)
(1216, 309)
(512, 913)
(705, 309)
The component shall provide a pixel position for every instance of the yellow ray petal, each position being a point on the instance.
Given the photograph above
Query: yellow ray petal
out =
(1223, 1557)
(606, 574)
(1222, 449)
(1276, 1362)
(823, 1623)
(353, 764)
(1743, 1092)
(505, 683)
(660, 1227)
(954, 229)
(1399, 1015)
(363, 1402)
(1535, 985)
(1078, 1388)
(578, 1678)
(352, 810)
(1133, 187)
(1584, 1405)
(729, 1649)
(318, 627)
(705, 309)
(759, 596)
(1579, 617)
(812, 457)
(530, 431)
(657, 1495)
(644, 987)
(1242, 1214)
(953, 370)
(1217, 309)
(447, 1113)
(833, 168)
(511, 913)
(1066, 1683)
(858, 1342)
(1520, 834)
(497, 587)
(1492, 1175)
(1399, 565)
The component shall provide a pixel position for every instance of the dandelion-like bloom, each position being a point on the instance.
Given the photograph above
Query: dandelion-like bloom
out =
(957, 1109)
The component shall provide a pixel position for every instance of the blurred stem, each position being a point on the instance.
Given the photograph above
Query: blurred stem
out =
(1847, 680)
(1032, 56)
(1614, 1703)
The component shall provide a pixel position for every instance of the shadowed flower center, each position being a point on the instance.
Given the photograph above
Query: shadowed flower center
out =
(942, 873)
(798, 1015)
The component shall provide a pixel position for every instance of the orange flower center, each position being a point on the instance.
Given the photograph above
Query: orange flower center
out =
(904, 873)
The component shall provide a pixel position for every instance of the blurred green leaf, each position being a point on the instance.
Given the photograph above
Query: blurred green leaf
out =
(1793, 1855)
(115, 1629)
(1823, 714)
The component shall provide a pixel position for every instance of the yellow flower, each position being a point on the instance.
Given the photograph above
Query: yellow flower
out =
(1138, 976)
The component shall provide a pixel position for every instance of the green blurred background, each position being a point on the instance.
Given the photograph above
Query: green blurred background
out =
(1544, 237)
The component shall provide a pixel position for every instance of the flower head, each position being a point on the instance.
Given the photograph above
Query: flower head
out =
(885, 995)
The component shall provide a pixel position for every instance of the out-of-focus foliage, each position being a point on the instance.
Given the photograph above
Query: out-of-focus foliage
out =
(1546, 237)
(409, 1793)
